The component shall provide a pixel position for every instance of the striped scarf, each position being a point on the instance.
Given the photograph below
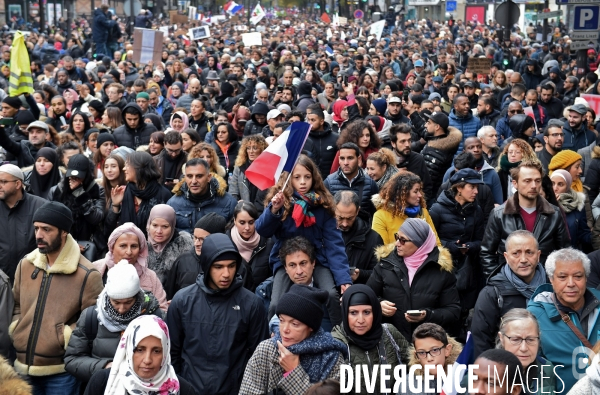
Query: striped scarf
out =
(302, 204)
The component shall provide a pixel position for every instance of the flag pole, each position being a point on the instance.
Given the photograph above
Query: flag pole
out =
(290, 173)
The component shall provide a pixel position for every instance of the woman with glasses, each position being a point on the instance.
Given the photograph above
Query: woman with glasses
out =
(400, 198)
(369, 341)
(519, 334)
(512, 154)
(415, 281)
(431, 347)
(239, 186)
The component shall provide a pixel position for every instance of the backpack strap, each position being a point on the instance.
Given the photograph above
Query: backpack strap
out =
(499, 298)
(91, 326)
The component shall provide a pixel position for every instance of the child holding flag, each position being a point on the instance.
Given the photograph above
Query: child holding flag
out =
(305, 208)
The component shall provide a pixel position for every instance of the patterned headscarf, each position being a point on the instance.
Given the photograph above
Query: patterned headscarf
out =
(123, 379)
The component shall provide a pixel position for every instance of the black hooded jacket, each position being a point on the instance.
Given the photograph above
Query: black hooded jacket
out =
(495, 299)
(305, 99)
(252, 126)
(324, 148)
(133, 138)
(518, 124)
(215, 332)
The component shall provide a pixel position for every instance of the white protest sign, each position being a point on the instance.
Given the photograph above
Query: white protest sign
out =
(165, 30)
(199, 33)
(250, 39)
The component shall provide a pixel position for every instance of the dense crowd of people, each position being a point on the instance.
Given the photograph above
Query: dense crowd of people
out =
(428, 201)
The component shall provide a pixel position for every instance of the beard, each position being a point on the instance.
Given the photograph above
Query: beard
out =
(50, 248)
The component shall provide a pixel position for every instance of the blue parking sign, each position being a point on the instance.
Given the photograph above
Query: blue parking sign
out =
(586, 17)
(450, 5)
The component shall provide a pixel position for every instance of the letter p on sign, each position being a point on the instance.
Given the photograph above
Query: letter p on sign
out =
(586, 17)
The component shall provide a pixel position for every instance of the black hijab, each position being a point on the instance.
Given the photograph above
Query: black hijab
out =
(40, 185)
(362, 293)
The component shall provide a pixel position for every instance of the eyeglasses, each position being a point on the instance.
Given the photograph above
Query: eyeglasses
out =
(557, 135)
(254, 149)
(173, 152)
(401, 240)
(434, 352)
(517, 341)
(514, 153)
(516, 112)
(199, 239)
(3, 182)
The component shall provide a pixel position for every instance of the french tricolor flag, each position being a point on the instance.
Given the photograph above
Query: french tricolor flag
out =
(280, 156)
(465, 358)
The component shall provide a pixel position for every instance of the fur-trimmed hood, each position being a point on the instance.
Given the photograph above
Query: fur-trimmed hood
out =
(456, 349)
(217, 184)
(11, 382)
(444, 259)
(449, 142)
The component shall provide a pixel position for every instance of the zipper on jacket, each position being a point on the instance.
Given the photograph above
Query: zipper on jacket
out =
(37, 318)
(368, 359)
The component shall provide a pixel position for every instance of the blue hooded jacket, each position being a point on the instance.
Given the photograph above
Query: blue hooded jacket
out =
(468, 126)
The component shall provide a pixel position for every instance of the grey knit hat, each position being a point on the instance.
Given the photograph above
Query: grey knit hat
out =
(416, 230)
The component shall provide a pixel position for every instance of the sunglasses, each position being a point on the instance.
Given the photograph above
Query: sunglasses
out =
(401, 240)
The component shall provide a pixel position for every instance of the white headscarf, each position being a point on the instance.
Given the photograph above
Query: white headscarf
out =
(123, 379)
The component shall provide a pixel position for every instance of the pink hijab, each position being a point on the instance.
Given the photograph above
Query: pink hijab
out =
(414, 229)
(184, 118)
(167, 213)
(128, 227)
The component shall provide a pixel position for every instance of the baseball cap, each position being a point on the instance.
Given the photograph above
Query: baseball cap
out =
(273, 114)
(439, 118)
(437, 78)
(470, 84)
(418, 63)
(394, 99)
(469, 176)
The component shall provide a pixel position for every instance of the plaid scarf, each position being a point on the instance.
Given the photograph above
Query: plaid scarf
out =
(302, 204)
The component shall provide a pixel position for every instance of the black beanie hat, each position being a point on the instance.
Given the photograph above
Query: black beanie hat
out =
(25, 117)
(55, 214)
(103, 138)
(226, 89)
(212, 223)
(189, 61)
(14, 102)
(98, 106)
(305, 304)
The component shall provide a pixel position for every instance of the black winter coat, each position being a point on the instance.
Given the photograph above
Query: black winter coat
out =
(85, 356)
(214, 333)
(554, 108)
(259, 262)
(18, 237)
(433, 288)
(455, 222)
(232, 153)
(324, 148)
(361, 242)
(362, 185)
(87, 209)
(495, 299)
(23, 150)
(416, 164)
(133, 138)
(485, 199)
(101, 26)
(549, 230)
(439, 153)
(202, 126)
(593, 280)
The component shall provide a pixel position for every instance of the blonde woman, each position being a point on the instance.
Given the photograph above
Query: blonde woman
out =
(239, 186)
(512, 155)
